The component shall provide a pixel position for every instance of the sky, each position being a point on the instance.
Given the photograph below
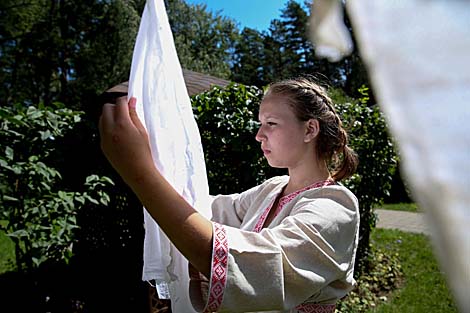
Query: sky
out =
(255, 14)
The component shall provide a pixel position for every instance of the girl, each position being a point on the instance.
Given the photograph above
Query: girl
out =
(287, 245)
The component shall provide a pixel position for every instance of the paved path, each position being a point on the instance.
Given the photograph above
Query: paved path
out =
(405, 221)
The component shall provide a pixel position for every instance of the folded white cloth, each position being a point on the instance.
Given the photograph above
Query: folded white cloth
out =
(164, 107)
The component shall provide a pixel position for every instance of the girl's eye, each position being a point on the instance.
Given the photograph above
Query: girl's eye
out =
(271, 123)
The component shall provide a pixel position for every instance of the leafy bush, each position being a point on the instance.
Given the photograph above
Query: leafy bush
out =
(39, 217)
(373, 287)
(227, 120)
(372, 182)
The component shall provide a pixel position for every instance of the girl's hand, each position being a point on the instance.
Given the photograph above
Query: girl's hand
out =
(124, 140)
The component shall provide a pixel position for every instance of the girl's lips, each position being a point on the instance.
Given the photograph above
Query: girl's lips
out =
(266, 151)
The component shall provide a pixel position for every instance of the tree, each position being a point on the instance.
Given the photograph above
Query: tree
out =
(204, 40)
(285, 50)
(248, 64)
(63, 50)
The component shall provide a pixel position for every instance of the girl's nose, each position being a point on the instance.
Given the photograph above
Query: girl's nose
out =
(260, 135)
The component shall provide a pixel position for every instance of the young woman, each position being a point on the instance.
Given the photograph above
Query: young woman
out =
(287, 245)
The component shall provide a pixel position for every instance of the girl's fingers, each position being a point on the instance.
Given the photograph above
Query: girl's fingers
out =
(133, 114)
(122, 109)
(107, 117)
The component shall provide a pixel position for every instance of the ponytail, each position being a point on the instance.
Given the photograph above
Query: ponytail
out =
(347, 164)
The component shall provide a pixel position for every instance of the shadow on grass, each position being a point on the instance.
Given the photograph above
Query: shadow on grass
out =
(83, 286)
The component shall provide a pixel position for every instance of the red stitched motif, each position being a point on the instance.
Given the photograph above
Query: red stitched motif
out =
(285, 200)
(219, 268)
(316, 308)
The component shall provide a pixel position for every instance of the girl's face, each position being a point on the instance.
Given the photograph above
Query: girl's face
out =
(281, 134)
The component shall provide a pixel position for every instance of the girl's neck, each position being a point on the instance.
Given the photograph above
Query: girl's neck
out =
(302, 178)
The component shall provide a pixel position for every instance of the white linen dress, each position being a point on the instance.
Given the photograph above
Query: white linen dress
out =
(303, 261)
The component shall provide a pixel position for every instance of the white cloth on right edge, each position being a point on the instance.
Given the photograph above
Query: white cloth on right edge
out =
(417, 55)
(305, 256)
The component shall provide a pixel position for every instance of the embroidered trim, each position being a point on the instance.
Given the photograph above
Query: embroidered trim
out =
(285, 200)
(219, 268)
(259, 225)
(316, 308)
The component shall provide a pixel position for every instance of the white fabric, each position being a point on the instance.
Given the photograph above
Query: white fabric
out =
(418, 56)
(164, 107)
(330, 35)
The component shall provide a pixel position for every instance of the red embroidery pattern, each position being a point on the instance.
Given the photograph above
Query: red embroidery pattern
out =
(316, 308)
(219, 268)
(285, 200)
(262, 219)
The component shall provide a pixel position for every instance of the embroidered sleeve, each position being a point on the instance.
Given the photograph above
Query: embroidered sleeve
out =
(219, 268)
(207, 294)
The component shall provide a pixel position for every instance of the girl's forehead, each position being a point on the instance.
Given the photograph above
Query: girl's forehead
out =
(275, 104)
(275, 107)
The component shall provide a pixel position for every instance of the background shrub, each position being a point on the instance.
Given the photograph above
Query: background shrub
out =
(39, 215)
(227, 120)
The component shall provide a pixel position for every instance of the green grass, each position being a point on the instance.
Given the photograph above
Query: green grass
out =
(409, 207)
(424, 288)
(7, 253)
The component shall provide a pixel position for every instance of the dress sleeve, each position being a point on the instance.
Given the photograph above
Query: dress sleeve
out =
(280, 268)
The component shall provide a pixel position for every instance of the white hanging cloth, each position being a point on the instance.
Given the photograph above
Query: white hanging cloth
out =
(418, 57)
(164, 107)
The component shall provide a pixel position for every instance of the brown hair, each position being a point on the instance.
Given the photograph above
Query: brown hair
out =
(309, 100)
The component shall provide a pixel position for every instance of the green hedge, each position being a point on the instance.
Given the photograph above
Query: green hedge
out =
(227, 120)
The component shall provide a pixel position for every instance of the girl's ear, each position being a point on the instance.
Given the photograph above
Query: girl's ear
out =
(312, 129)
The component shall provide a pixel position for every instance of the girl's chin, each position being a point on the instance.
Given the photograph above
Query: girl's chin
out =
(273, 163)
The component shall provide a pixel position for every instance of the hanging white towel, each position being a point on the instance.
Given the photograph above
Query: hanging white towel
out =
(164, 107)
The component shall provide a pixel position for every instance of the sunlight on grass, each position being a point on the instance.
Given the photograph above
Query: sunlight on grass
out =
(7, 253)
(409, 207)
(424, 288)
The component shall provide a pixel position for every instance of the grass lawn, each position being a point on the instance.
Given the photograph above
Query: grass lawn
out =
(409, 207)
(424, 288)
(7, 253)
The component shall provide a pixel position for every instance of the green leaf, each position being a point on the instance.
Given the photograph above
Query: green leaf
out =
(9, 153)
(45, 134)
(107, 180)
(18, 233)
(92, 178)
(8, 198)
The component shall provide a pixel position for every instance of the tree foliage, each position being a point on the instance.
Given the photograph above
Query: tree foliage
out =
(285, 51)
(63, 50)
(204, 40)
